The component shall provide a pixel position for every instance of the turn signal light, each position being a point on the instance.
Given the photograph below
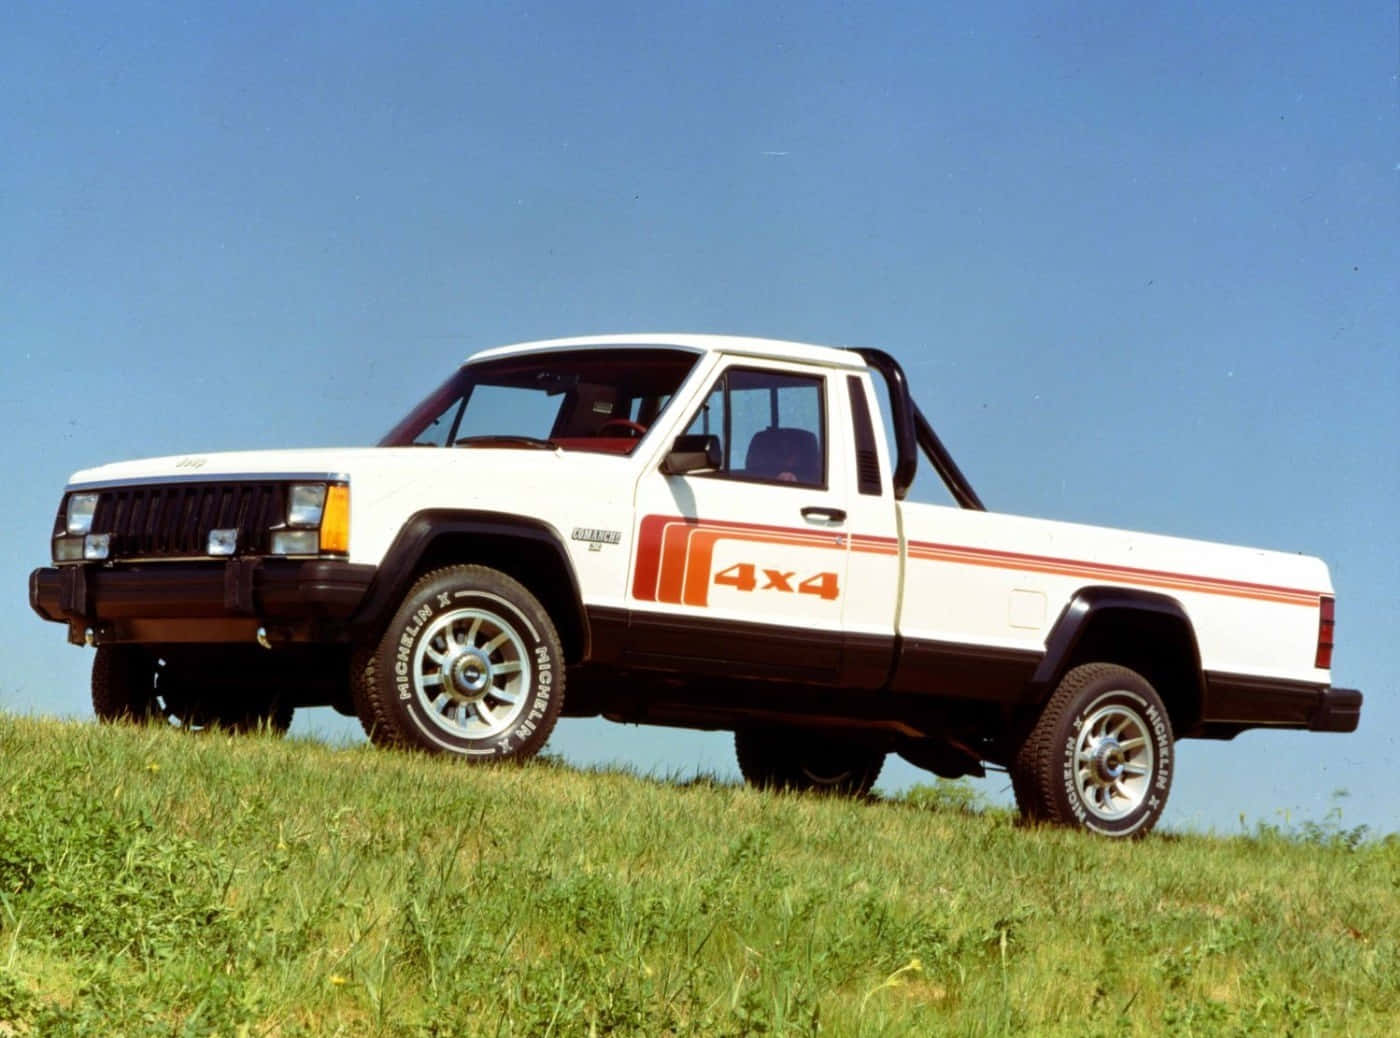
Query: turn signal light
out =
(335, 520)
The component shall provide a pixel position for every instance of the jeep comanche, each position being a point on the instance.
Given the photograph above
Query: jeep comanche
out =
(702, 531)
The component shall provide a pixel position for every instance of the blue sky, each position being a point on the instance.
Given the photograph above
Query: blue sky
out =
(1140, 261)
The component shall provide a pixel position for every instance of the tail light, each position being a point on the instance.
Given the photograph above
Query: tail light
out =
(1326, 623)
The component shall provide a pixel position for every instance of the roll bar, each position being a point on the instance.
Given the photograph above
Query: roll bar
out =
(913, 431)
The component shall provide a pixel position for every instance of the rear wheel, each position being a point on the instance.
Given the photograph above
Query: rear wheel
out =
(135, 685)
(1100, 756)
(778, 758)
(470, 665)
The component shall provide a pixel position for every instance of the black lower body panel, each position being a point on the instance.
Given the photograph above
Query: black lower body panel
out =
(975, 672)
(699, 672)
(740, 649)
(734, 648)
(1241, 701)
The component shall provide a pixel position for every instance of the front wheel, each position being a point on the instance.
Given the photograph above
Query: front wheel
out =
(470, 665)
(774, 758)
(139, 686)
(1100, 756)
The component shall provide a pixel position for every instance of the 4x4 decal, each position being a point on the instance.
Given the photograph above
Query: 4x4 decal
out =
(743, 576)
(675, 558)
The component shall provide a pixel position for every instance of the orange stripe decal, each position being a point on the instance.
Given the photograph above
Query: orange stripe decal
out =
(1107, 571)
(675, 554)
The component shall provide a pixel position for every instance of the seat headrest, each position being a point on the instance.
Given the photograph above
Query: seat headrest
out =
(778, 449)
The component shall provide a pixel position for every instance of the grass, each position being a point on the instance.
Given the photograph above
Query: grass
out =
(159, 884)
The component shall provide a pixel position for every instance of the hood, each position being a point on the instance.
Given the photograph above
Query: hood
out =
(380, 465)
(387, 484)
(225, 465)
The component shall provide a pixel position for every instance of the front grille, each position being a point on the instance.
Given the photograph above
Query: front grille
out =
(174, 519)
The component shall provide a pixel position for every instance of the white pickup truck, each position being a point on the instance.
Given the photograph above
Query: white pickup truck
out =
(701, 531)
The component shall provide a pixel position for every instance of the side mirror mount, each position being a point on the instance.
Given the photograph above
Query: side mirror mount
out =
(693, 454)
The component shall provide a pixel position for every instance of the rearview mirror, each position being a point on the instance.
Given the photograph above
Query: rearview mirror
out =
(692, 454)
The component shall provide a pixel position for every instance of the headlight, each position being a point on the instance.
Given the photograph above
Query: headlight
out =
(295, 542)
(317, 521)
(305, 504)
(222, 542)
(81, 509)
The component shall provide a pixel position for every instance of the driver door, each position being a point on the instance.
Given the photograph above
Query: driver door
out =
(741, 570)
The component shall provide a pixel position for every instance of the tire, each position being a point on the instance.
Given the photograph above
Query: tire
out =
(470, 665)
(132, 685)
(1100, 756)
(776, 758)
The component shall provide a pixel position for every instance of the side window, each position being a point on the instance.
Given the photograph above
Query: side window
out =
(771, 426)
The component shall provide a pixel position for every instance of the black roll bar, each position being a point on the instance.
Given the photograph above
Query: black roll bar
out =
(938, 454)
(906, 459)
(913, 431)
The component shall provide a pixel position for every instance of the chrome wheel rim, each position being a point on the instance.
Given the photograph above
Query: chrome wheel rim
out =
(1113, 762)
(824, 779)
(176, 703)
(470, 673)
(827, 767)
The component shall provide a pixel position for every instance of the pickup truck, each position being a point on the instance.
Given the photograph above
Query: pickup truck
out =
(702, 531)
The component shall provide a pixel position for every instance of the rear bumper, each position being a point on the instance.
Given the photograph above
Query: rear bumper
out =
(1339, 711)
(1236, 702)
(294, 600)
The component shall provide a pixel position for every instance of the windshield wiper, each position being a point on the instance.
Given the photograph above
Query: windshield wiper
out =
(533, 442)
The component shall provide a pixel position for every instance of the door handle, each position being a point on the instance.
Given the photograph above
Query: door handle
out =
(831, 515)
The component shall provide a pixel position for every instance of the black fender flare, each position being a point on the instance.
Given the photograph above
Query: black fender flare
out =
(402, 563)
(1078, 615)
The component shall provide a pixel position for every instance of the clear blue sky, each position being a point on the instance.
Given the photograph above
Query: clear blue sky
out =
(1142, 262)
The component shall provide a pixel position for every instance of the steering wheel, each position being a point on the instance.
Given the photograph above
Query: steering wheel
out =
(630, 429)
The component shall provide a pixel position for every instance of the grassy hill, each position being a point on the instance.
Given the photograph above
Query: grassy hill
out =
(159, 884)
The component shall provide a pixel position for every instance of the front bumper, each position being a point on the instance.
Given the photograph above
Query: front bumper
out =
(297, 600)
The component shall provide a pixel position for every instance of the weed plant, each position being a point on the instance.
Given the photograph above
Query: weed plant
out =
(153, 883)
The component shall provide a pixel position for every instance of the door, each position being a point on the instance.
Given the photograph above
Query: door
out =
(741, 570)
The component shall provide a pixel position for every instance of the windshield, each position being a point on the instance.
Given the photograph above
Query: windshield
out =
(595, 400)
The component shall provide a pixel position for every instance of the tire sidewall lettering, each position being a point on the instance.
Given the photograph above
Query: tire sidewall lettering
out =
(404, 644)
(1157, 724)
(398, 660)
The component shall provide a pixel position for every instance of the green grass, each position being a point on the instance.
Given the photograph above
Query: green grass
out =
(159, 884)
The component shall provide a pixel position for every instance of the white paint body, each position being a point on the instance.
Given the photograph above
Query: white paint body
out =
(937, 573)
